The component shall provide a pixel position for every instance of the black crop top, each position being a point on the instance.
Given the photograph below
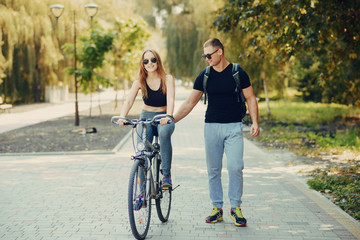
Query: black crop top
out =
(155, 98)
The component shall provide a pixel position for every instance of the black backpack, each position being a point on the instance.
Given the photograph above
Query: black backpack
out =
(238, 89)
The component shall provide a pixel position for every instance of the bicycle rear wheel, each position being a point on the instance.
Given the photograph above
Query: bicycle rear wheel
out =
(163, 201)
(139, 204)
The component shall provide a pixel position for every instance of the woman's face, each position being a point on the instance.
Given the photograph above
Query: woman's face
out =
(150, 62)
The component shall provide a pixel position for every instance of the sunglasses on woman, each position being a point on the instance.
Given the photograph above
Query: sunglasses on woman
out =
(146, 61)
(208, 56)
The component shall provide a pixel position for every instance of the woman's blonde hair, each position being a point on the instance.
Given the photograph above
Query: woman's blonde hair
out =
(143, 73)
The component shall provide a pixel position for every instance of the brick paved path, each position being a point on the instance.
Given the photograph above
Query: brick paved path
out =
(85, 197)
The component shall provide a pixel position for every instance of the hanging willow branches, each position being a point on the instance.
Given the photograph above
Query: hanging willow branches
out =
(31, 41)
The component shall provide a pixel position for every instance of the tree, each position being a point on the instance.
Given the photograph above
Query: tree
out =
(28, 53)
(186, 25)
(30, 42)
(130, 37)
(182, 45)
(306, 71)
(91, 56)
(328, 29)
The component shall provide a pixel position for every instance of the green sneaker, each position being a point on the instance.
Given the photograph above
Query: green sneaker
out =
(237, 217)
(215, 216)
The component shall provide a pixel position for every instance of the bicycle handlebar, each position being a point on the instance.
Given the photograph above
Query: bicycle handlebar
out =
(134, 122)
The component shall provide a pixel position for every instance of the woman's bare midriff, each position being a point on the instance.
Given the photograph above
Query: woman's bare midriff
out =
(154, 109)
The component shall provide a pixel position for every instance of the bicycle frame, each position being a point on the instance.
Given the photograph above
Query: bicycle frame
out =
(150, 158)
(147, 162)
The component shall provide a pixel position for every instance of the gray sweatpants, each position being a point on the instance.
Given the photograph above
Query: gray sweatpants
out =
(228, 137)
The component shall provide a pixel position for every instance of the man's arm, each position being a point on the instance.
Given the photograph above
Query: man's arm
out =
(253, 110)
(188, 105)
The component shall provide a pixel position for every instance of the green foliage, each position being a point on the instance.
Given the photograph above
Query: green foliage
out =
(349, 138)
(91, 56)
(130, 37)
(309, 113)
(31, 56)
(295, 25)
(307, 73)
(343, 184)
(305, 138)
(311, 129)
(328, 29)
(237, 50)
(180, 38)
(183, 41)
(310, 126)
(28, 56)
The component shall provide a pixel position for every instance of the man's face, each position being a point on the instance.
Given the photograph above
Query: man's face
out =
(212, 55)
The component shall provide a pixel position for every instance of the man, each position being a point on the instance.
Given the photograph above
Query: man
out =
(223, 127)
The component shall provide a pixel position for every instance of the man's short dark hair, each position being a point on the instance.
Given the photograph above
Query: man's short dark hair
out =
(214, 42)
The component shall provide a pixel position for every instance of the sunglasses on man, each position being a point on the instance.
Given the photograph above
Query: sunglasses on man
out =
(146, 61)
(208, 56)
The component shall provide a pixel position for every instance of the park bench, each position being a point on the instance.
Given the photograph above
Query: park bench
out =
(4, 106)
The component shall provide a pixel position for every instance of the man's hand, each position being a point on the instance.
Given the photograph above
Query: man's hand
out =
(164, 121)
(254, 130)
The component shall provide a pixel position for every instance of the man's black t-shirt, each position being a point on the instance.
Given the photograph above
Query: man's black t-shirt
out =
(223, 106)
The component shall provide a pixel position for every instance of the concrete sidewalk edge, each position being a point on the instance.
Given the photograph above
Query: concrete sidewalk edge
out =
(122, 142)
(100, 152)
(329, 207)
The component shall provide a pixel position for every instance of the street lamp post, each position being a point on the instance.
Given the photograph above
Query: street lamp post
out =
(77, 120)
(91, 10)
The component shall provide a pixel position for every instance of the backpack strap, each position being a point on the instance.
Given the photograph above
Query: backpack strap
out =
(238, 89)
(236, 76)
(235, 72)
(206, 77)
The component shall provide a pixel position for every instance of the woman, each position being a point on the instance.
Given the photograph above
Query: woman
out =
(158, 90)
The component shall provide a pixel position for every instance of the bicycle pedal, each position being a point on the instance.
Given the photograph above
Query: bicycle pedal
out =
(175, 187)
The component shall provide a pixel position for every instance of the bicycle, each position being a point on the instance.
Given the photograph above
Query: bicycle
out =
(145, 183)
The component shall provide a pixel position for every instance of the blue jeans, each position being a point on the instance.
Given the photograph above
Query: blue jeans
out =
(164, 133)
(228, 137)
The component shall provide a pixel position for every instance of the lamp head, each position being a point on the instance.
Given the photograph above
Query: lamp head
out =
(57, 10)
(91, 9)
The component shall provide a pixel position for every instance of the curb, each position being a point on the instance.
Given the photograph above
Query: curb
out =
(342, 217)
(56, 153)
(113, 151)
(122, 142)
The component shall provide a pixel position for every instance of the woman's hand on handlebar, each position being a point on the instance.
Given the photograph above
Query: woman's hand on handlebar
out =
(122, 122)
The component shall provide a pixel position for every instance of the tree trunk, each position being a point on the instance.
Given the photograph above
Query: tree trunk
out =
(99, 104)
(91, 87)
(116, 101)
(266, 92)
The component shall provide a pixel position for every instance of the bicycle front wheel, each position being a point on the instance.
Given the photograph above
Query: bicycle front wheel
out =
(139, 204)
(163, 200)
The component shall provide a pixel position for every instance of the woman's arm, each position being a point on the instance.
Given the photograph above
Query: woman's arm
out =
(170, 94)
(170, 98)
(129, 101)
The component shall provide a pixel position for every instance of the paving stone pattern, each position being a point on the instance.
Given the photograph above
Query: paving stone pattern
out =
(84, 196)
